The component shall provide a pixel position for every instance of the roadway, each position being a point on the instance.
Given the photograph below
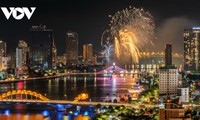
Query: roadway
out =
(78, 103)
(28, 79)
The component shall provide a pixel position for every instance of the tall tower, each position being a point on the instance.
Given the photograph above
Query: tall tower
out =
(87, 52)
(71, 46)
(41, 47)
(54, 54)
(192, 48)
(21, 54)
(168, 75)
(18, 57)
(168, 55)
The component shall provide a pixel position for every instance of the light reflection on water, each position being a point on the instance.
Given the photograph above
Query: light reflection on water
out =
(17, 116)
(69, 87)
(98, 88)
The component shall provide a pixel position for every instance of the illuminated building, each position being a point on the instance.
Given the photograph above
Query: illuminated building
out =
(192, 49)
(12, 61)
(54, 54)
(22, 52)
(168, 55)
(172, 112)
(168, 81)
(152, 61)
(87, 52)
(3, 48)
(72, 47)
(183, 92)
(4, 62)
(61, 59)
(18, 57)
(168, 75)
(41, 47)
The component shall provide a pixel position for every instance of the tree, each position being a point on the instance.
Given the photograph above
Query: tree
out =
(98, 106)
(115, 101)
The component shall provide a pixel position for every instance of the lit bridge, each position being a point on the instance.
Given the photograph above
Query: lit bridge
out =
(77, 103)
(18, 94)
(28, 96)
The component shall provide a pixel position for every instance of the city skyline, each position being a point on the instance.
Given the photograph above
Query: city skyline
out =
(102, 59)
(90, 19)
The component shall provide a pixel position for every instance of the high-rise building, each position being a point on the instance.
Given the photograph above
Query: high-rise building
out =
(168, 75)
(41, 47)
(168, 55)
(168, 81)
(71, 46)
(3, 48)
(54, 54)
(12, 61)
(192, 48)
(22, 52)
(87, 52)
(19, 57)
(4, 63)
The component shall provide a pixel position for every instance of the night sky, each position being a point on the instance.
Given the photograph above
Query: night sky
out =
(89, 18)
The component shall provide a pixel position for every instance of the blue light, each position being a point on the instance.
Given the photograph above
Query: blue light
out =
(75, 113)
(45, 113)
(59, 105)
(86, 113)
(7, 112)
(196, 28)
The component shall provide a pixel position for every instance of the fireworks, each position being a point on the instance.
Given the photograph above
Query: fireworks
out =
(108, 48)
(130, 30)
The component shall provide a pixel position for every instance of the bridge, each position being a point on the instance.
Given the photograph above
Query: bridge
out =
(86, 103)
(19, 94)
(28, 96)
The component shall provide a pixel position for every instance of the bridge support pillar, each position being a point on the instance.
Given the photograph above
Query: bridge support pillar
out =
(60, 107)
(78, 108)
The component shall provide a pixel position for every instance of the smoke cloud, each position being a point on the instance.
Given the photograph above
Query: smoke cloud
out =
(171, 31)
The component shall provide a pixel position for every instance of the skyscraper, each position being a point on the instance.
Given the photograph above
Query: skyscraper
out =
(54, 54)
(168, 75)
(41, 46)
(71, 46)
(3, 48)
(168, 81)
(87, 52)
(192, 48)
(18, 57)
(22, 52)
(168, 55)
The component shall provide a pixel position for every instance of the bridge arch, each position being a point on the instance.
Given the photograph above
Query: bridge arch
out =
(23, 92)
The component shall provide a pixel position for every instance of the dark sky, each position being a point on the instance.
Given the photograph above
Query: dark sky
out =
(89, 18)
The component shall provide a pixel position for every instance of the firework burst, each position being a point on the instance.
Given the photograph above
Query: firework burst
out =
(108, 48)
(130, 30)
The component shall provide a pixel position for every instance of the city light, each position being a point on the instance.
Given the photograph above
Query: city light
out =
(86, 113)
(45, 113)
(76, 113)
(7, 112)
(117, 63)
(194, 28)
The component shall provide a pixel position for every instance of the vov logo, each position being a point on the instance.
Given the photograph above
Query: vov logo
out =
(18, 12)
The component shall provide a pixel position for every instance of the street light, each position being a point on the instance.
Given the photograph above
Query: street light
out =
(65, 96)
